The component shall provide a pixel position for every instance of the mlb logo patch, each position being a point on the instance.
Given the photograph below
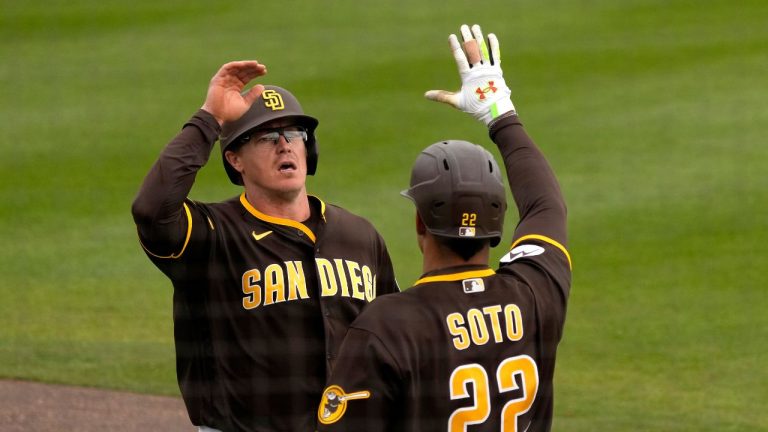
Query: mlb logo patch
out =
(473, 285)
(466, 232)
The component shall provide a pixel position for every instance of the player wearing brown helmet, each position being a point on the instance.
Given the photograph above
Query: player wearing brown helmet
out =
(467, 348)
(266, 283)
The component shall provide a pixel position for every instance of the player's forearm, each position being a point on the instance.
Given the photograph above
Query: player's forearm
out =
(534, 186)
(166, 186)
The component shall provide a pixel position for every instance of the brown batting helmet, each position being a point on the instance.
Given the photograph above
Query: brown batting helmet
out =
(274, 103)
(458, 191)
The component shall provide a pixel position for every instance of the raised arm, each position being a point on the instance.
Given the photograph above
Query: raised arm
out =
(540, 203)
(485, 95)
(158, 208)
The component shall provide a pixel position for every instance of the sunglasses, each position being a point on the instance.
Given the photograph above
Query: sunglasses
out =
(272, 136)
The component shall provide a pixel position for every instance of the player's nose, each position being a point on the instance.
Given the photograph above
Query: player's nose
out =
(283, 145)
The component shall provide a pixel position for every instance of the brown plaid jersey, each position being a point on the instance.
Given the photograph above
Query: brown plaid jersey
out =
(466, 348)
(260, 304)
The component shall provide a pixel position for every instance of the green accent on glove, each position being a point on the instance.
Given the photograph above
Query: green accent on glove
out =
(484, 50)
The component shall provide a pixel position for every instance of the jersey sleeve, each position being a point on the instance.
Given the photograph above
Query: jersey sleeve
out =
(167, 222)
(538, 254)
(362, 392)
(537, 194)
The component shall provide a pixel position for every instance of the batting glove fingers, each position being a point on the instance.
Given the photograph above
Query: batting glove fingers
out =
(484, 94)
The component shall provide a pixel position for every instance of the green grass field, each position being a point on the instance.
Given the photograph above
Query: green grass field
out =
(653, 114)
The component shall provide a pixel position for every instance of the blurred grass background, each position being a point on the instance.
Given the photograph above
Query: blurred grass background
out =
(653, 114)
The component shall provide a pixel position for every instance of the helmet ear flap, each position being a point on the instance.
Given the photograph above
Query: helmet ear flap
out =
(312, 153)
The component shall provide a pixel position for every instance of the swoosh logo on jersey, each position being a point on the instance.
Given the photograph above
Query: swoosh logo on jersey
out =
(260, 236)
(522, 251)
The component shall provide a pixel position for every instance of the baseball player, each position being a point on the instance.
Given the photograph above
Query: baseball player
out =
(467, 348)
(265, 283)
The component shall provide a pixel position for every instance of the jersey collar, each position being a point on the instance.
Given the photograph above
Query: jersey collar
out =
(453, 274)
(281, 221)
(321, 204)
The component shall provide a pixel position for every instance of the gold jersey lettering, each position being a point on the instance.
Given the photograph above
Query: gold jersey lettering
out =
(455, 323)
(370, 287)
(328, 286)
(345, 278)
(493, 313)
(281, 282)
(356, 280)
(514, 322)
(251, 289)
(297, 283)
(475, 326)
(342, 277)
(274, 288)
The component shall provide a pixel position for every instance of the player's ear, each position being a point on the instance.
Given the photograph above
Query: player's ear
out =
(421, 229)
(234, 160)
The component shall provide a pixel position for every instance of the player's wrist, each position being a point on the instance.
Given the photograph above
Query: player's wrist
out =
(500, 120)
(209, 120)
(500, 108)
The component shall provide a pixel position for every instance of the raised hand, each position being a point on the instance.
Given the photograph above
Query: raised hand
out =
(484, 93)
(225, 99)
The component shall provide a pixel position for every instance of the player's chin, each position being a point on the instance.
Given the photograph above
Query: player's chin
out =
(290, 181)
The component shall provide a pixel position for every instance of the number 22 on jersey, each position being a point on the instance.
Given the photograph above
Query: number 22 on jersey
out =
(522, 366)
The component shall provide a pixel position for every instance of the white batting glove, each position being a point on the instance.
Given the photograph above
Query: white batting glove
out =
(484, 93)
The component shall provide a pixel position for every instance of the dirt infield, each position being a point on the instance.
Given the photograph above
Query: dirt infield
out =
(35, 407)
